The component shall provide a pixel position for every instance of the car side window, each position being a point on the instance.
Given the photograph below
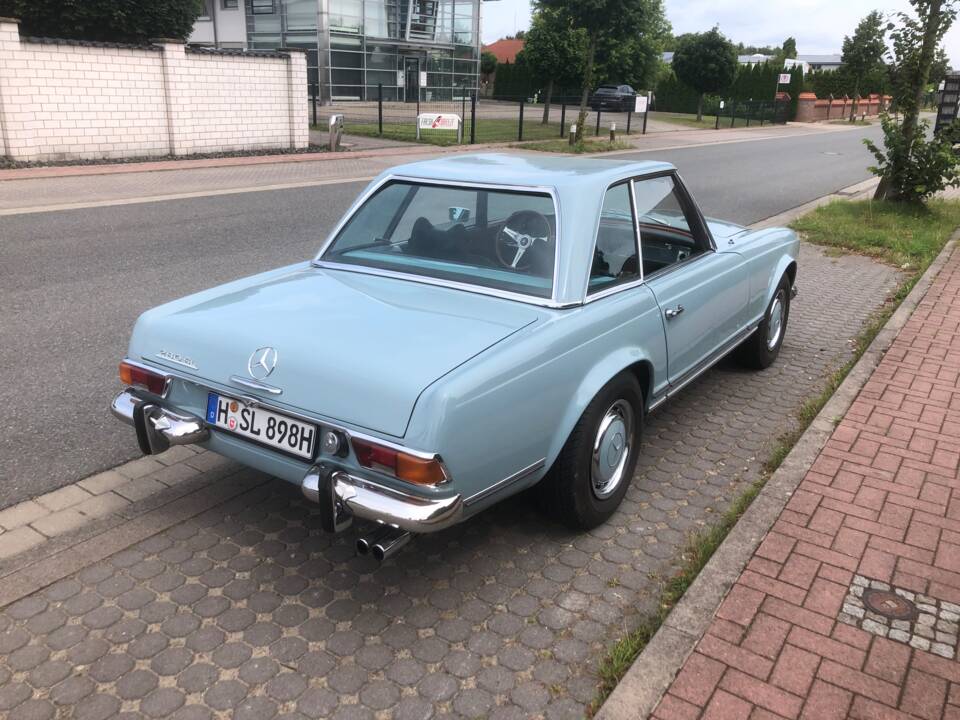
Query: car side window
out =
(666, 237)
(615, 258)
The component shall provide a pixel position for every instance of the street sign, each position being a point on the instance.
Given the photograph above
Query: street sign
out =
(722, 104)
(640, 104)
(784, 79)
(440, 121)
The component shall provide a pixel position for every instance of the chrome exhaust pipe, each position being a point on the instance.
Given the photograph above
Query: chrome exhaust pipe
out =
(365, 543)
(390, 543)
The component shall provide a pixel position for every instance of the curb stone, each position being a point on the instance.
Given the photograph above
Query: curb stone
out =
(640, 690)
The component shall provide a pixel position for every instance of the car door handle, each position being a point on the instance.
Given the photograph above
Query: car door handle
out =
(673, 312)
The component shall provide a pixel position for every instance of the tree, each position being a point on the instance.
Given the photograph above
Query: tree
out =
(707, 62)
(863, 53)
(940, 67)
(553, 51)
(488, 63)
(605, 21)
(789, 49)
(105, 20)
(911, 166)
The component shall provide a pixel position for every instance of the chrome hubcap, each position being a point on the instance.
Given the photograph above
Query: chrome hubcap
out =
(775, 322)
(611, 449)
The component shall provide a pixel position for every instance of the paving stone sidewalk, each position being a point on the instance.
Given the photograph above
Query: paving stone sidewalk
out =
(248, 610)
(850, 606)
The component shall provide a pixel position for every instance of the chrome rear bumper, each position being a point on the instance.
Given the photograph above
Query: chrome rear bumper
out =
(342, 497)
(157, 428)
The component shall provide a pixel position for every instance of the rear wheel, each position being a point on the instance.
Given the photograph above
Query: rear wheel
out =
(761, 349)
(591, 475)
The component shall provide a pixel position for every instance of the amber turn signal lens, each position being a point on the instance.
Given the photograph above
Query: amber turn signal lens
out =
(141, 377)
(399, 464)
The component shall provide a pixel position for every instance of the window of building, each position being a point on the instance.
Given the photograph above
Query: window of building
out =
(262, 7)
(207, 11)
(230, 4)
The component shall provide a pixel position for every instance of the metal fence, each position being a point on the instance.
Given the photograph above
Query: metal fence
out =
(737, 113)
(484, 119)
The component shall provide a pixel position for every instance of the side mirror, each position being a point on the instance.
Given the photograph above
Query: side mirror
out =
(458, 214)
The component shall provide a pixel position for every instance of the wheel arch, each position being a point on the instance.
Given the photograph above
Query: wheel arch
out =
(630, 360)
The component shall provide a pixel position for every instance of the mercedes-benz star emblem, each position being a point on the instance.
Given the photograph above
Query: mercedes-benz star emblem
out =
(262, 362)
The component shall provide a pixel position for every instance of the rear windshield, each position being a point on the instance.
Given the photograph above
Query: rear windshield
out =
(500, 239)
(607, 89)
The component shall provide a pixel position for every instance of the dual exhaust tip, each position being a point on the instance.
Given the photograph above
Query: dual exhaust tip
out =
(383, 542)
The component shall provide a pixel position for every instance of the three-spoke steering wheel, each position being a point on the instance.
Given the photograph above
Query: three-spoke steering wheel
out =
(522, 230)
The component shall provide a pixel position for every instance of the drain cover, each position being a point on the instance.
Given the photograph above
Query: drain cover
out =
(889, 604)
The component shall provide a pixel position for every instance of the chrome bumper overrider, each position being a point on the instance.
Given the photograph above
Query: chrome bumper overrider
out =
(342, 496)
(157, 428)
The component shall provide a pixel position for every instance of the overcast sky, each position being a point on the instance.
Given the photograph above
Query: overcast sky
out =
(818, 25)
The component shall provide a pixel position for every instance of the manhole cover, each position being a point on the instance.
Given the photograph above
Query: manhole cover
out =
(889, 604)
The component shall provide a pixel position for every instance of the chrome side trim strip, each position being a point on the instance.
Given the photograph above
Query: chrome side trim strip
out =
(701, 369)
(501, 484)
(255, 385)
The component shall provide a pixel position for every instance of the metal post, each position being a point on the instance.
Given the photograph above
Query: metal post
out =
(645, 115)
(380, 107)
(629, 115)
(733, 113)
(596, 132)
(719, 108)
(563, 117)
(314, 103)
(520, 129)
(473, 118)
(761, 114)
(463, 106)
(748, 115)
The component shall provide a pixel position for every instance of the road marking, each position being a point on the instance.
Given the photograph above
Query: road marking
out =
(179, 196)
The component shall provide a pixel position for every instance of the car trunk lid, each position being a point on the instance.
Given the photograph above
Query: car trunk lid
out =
(351, 347)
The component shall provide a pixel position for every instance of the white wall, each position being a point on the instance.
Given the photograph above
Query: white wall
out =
(72, 100)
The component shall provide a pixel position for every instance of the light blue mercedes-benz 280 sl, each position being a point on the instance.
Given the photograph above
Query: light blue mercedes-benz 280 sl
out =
(473, 326)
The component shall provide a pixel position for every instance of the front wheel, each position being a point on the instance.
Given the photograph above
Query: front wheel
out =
(761, 349)
(592, 474)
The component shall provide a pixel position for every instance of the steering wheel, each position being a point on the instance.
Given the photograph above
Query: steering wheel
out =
(521, 231)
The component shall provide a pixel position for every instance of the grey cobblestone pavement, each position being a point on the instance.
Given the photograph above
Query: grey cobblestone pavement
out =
(249, 611)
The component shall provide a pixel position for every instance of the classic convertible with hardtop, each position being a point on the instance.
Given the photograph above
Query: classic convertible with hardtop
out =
(474, 326)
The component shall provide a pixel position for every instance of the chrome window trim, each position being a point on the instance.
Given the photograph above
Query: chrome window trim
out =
(450, 284)
(210, 385)
(551, 302)
(616, 287)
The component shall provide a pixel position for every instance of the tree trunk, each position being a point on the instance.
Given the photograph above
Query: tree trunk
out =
(911, 112)
(548, 96)
(587, 84)
(700, 107)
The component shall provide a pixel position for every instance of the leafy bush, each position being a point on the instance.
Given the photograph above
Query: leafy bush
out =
(104, 20)
(512, 81)
(918, 169)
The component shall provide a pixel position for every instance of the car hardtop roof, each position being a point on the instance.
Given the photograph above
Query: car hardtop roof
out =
(562, 173)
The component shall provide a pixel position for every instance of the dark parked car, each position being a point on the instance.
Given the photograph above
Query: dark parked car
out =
(614, 97)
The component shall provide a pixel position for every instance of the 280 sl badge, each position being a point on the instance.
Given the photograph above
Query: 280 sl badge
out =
(177, 358)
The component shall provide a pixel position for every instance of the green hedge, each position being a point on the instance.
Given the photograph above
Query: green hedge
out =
(512, 82)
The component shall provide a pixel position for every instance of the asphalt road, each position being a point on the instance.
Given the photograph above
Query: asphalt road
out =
(73, 282)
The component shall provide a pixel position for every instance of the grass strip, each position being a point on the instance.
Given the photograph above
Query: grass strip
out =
(905, 236)
(564, 146)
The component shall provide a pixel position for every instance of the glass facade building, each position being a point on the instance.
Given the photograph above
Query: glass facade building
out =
(415, 49)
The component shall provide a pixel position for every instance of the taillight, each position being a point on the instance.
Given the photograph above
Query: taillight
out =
(138, 376)
(401, 465)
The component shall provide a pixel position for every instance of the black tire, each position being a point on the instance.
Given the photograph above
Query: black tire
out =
(757, 351)
(568, 489)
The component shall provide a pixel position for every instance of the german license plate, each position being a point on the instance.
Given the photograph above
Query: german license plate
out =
(262, 426)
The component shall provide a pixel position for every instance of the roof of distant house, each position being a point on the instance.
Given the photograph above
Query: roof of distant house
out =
(821, 59)
(505, 50)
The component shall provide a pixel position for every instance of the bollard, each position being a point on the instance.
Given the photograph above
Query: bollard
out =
(573, 134)
(613, 132)
(380, 108)
(335, 126)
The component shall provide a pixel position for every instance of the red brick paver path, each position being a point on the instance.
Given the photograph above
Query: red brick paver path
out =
(882, 501)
